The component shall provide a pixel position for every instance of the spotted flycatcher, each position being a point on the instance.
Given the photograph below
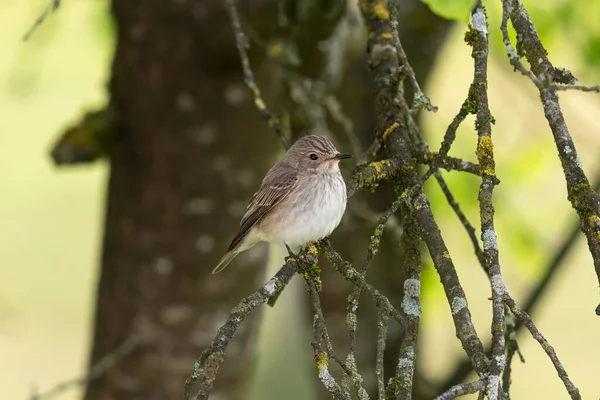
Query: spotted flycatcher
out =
(301, 199)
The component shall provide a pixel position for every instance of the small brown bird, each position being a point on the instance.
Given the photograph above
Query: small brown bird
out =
(301, 199)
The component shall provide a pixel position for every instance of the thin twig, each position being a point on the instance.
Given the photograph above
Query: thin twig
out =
(420, 100)
(319, 335)
(463, 219)
(207, 365)
(335, 110)
(436, 161)
(50, 8)
(362, 210)
(352, 275)
(581, 88)
(382, 330)
(242, 44)
(463, 368)
(449, 137)
(461, 389)
(523, 318)
(512, 349)
(353, 299)
(96, 370)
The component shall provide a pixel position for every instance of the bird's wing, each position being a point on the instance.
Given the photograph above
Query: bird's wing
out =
(276, 186)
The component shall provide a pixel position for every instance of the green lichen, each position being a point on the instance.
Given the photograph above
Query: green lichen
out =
(485, 155)
(471, 105)
(378, 166)
(376, 238)
(431, 155)
(594, 220)
(577, 189)
(392, 389)
(322, 360)
(471, 36)
(380, 11)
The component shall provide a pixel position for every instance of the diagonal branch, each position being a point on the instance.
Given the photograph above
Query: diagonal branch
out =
(242, 43)
(523, 318)
(580, 193)
(207, 365)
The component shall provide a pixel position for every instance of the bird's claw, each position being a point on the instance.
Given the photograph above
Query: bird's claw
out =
(291, 254)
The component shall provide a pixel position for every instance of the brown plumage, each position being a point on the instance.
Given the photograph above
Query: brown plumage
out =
(300, 199)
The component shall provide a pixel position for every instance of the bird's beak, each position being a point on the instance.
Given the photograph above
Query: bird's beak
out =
(342, 156)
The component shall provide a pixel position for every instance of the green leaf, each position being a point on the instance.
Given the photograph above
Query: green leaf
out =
(458, 10)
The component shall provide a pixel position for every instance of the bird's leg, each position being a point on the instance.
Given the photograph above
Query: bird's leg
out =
(294, 257)
(291, 254)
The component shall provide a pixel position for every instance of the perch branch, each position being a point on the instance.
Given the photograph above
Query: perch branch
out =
(207, 365)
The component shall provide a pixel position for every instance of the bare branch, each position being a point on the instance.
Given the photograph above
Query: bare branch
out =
(207, 366)
(50, 8)
(242, 44)
(485, 155)
(320, 334)
(512, 349)
(97, 370)
(420, 100)
(580, 194)
(526, 320)
(461, 390)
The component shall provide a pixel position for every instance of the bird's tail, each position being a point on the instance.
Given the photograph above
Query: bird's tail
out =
(225, 260)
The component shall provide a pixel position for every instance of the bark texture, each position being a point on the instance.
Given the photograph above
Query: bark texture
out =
(190, 151)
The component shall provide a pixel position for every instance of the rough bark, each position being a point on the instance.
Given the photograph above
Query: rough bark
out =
(422, 34)
(190, 151)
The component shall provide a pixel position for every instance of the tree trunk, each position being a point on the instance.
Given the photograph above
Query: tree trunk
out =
(190, 152)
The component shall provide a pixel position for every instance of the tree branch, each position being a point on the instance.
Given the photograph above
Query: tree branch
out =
(50, 8)
(461, 390)
(485, 154)
(580, 193)
(383, 60)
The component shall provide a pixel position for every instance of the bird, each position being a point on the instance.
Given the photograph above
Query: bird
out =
(301, 199)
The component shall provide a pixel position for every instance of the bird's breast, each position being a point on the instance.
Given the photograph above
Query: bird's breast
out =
(316, 210)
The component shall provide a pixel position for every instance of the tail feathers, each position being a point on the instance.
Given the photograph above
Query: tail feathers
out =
(225, 260)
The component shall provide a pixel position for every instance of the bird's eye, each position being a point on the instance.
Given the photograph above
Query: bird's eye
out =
(313, 156)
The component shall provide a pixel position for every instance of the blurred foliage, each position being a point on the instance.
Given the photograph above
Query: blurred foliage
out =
(564, 26)
(458, 10)
(87, 140)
